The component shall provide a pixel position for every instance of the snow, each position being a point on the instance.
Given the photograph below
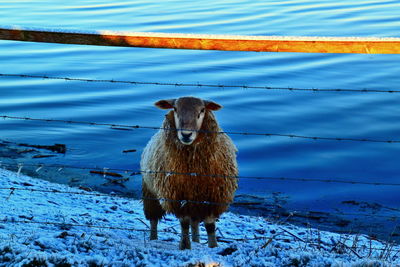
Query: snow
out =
(80, 228)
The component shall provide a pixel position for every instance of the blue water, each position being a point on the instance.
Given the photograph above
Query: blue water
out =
(328, 114)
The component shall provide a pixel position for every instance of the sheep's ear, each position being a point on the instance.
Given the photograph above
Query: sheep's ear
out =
(165, 104)
(212, 105)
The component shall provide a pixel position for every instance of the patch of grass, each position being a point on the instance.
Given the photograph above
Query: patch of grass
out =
(299, 261)
(227, 251)
(3, 254)
(5, 250)
(94, 264)
(62, 263)
(202, 264)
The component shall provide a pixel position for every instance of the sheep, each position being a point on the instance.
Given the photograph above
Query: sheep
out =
(190, 141)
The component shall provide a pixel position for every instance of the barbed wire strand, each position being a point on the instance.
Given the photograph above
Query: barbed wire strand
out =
(219, 238)
(193, 174)
(182, 202)
(125, 126)
(302, 213)
(196, 84)
(64, 224)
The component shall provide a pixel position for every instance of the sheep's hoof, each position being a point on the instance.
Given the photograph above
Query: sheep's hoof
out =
(196, 238)
(212, 244)
(153, 236)
(185, 244)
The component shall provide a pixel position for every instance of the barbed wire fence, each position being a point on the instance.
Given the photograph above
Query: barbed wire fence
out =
(132, 172)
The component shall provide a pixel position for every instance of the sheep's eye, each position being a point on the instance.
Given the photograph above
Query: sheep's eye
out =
(202, 110)
(175, 109)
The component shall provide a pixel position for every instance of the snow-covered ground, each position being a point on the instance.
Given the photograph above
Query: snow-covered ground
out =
(44, 228)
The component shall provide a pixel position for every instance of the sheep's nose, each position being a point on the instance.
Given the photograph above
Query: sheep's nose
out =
(186, 136)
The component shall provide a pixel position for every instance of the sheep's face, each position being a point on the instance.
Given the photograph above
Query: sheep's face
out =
(189, 114)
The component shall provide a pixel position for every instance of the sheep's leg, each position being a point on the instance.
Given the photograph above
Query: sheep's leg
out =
(185, 240)
(152, 210)
(153, 230)
(195, 231)
(210, 227)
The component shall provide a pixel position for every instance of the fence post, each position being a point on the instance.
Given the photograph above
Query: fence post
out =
(363, 45)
